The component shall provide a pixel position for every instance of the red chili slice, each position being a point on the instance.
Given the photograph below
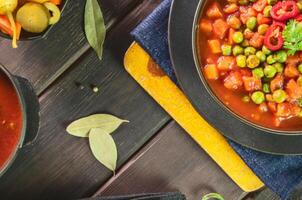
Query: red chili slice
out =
(298, 18)
(284, 10)
(273, 39)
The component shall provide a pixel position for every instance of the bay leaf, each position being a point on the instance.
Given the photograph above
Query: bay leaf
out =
(106, 122)
(94, 26)
(103, 147)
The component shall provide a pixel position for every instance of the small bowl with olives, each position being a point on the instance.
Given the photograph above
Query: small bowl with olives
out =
(28, 19)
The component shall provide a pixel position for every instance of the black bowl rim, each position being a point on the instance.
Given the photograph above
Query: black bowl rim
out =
(22, 104)
(210, 91)
(34, 36)
(180, 29)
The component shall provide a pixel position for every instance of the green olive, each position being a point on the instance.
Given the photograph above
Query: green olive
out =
(7, 6)
(33, 17)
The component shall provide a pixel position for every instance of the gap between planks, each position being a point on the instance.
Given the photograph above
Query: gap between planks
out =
(77, 56)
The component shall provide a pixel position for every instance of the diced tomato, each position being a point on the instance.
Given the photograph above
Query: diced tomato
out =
(220, 28)
(291, 71)
(263, 20)
(214, 11)
(211, 72)
(246, 13)
(230, 37)
(231, 8)
(226, 63)
(206, 26)
(248, 34)
(215, 46)
(251, 84)
(287, 110)
(256, 40)
(277, 83)
(246, 72)
(233, 81)
(293, 90)
(272, 106)
(260, 5)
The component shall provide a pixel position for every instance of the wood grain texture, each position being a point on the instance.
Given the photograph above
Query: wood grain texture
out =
(172, 161)
(42, 61)
(60, 166)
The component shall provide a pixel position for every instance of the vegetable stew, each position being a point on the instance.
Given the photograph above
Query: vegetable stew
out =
(10, 120)
(253, 59)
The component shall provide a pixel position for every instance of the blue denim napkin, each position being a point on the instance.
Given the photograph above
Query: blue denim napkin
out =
(282, 174)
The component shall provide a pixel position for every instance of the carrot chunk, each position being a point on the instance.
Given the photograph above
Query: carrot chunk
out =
(214, 11)
(231, 8)
(220, 28)
(225, 62)
(293, 90)
(206, 26)
(215, 46)
(211, 72)
(291, 71)
(287, 110)
(233, 81)
(251, 84)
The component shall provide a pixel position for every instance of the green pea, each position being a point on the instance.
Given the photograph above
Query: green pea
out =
(271, 2)
(252, 61)
(261, 56)
(249, 51)
(267, 11)
(241, 61)
(279, 67)
(279, 96)
(243, 2)
(246, 99)
(300, 68)
(299, 81)
(300, 102)
(270, 59)
(237, 37)
(262, 28)
(266, 88)
(270, 71)
(258, 73)
(266, 50)
(258, 97)
(281, 56)
(245, 43)
(237, 50)
(226, 49)
(251, 23)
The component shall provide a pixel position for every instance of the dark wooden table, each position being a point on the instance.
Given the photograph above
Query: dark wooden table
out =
(155, 154)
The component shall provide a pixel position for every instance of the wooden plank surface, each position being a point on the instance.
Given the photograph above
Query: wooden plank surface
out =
(60, 166)
(172, 161)
(41, 61)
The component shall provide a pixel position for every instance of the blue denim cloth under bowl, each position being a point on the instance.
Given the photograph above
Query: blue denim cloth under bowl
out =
(282, 174)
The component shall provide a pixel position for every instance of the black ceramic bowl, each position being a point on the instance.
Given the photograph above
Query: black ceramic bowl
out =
(31, 36)
(182, 42)
(30, 114)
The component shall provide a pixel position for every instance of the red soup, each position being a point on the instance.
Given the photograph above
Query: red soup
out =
(10, 120)
(253, 59)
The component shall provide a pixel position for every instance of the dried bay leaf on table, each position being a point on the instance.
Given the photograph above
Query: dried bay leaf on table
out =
(103, 147)
(94, 26)
(106, 122)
